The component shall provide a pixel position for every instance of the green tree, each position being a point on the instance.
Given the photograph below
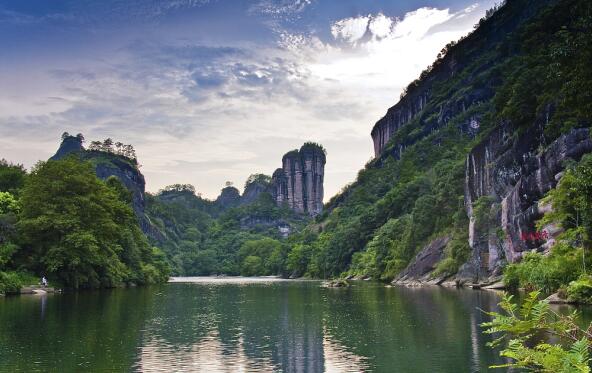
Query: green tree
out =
(252, 266)
(12, 177)
(268, 250)
(79, 231)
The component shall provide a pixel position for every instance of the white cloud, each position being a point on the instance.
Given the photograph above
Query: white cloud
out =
(205, 114)
(350, 29)
(381, 25)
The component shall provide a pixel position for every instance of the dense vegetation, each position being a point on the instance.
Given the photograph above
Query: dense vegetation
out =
(201, 237)
(399, 202)
(62, 222)
(409, 195)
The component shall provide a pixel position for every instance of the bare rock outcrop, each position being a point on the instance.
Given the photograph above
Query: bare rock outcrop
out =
(513, 173)
(420, 269)
(108, 164)
(299, 183)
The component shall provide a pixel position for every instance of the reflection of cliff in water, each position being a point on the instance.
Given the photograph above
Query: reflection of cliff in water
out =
(440, 325)
(239, 326)
(206, 355)
(246, 325)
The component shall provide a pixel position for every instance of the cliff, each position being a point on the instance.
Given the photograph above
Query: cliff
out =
(229, 197)
(522, 157)
(418, 104)
(514, 174)
(299, 183)
(468, 153)
(255, 185)
(109, 164)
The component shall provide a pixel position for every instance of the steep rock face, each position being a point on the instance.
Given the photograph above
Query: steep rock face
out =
(299, 183)
(108, 164)
(228, 198)
(513, 173)
(253, 191)
(417, 101)
(69, 145)
(261, 223)
(424, 262)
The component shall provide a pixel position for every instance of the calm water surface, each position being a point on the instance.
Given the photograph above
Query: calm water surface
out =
(242, 325)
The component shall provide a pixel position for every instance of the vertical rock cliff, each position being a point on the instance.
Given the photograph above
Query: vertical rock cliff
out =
(513, 175)
(109, 164)
(229, 197)
(299, 183)
(417, 103)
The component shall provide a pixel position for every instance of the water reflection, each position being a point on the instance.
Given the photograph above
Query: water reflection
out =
(247, 326)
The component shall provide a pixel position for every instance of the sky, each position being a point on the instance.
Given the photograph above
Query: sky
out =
(210, 91)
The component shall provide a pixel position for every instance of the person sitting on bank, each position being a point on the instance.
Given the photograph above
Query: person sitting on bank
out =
(44, 281)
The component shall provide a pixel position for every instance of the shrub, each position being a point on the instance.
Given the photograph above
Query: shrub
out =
(446, 266)
(580, 290)
(10, 283)
(545, 273)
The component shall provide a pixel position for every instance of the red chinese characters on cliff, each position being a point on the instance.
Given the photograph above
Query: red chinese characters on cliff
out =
(534, 236)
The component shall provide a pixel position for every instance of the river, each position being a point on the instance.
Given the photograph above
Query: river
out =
(248, 325)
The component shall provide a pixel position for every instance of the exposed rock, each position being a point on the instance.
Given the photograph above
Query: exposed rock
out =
(130, 177)
(253, 191)
(69, 145)
(420, 268)
(109, 164)
(299, 183)
(515, 174)
(556, 299)
(229, 197)
(253, 222)
(416, 103)
(496, 286)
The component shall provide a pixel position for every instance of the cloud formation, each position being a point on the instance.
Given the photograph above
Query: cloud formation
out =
(203, 110)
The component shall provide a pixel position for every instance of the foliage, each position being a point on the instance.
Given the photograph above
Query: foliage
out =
(523, 332)
(203, 238)
(298, 259)
(572, 208)
(180, 188)
(12, 177)
(261, 179)
(117, 148)
(79, 231)
(412, 192)
(261, 257)
(11, 282)
(572, 204)
(545, 273)
(8, 203)
(580, 290)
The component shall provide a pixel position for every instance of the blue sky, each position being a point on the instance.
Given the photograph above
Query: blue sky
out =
(210, 91)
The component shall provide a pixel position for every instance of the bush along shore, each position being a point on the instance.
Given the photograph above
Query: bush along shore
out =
(62, 222)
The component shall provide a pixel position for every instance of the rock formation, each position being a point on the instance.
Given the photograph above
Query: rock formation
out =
(514, 175)
(424, 262)
(255, 185)
(228, 198)
(109, 164)
(511, 168)
(416, 103)
(299, 183)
